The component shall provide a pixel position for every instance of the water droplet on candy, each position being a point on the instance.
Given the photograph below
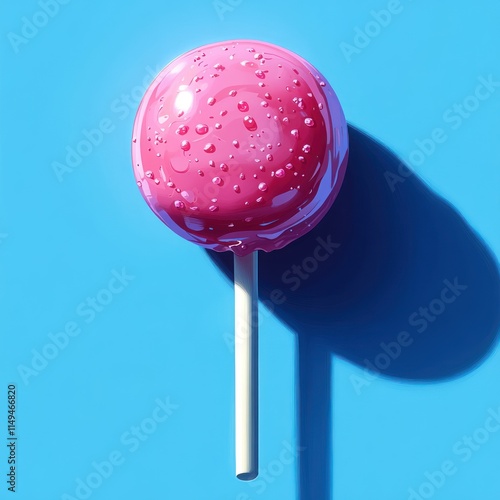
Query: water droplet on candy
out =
(201, 129)
(243, 106)
(249, 123)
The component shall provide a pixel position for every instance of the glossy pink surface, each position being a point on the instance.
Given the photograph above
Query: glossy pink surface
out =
(240, 145)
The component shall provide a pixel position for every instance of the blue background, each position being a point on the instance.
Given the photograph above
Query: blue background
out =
(166, 334)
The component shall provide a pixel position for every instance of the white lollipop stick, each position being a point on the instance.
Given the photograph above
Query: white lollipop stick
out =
(246, 365)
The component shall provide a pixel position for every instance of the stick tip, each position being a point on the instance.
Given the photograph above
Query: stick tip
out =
(247, 476)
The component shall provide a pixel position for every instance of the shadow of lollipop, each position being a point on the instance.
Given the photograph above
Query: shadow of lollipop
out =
(393, 259)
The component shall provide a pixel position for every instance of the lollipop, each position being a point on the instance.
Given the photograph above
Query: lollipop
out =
(240, 146)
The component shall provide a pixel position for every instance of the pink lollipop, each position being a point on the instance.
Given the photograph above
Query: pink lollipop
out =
(240, 146)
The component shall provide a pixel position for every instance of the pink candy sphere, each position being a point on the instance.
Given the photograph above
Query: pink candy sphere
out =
(240, 145)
